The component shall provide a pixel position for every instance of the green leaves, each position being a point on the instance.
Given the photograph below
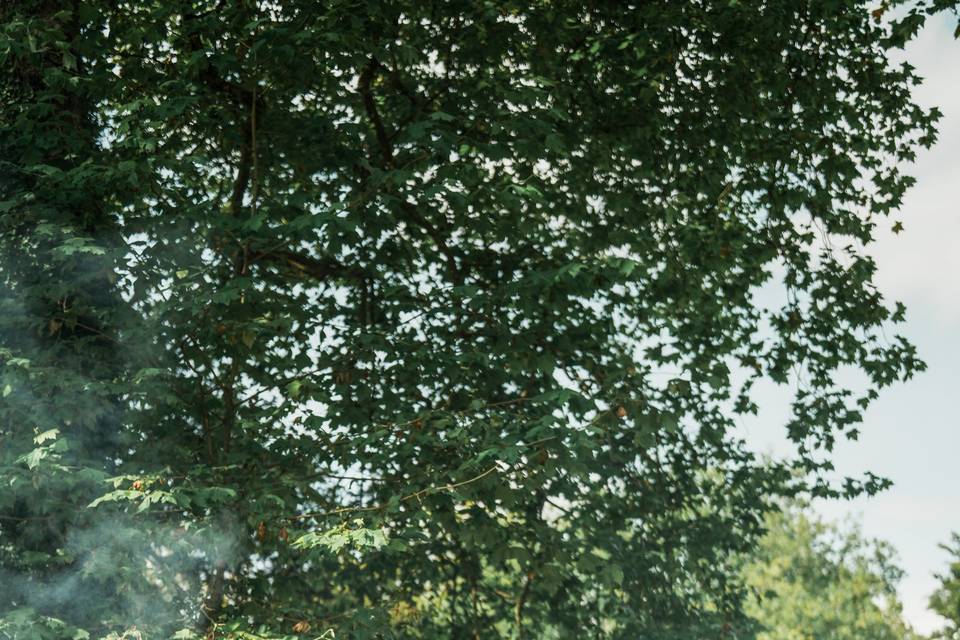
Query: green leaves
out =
(49, 434)
(144, 499)
(34, 458)
(349, 535)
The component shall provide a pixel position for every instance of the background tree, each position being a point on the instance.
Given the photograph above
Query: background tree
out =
(946, 600)
(429, 319)
(811, 579)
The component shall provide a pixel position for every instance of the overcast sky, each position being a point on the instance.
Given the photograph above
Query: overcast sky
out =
(910, 434)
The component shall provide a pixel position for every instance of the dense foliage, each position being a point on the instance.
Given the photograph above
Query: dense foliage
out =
(812, 579)
(428, 319)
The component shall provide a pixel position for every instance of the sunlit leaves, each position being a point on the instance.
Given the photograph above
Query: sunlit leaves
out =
(353, 535)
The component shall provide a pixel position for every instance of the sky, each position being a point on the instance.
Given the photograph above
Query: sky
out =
(910, 434)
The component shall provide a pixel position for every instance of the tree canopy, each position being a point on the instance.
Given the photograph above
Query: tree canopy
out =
(429, 319)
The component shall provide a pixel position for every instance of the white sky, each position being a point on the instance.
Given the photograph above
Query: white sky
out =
(910, 434)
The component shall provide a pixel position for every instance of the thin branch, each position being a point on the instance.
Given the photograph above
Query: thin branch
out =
(521, 601)
(319, 268)
(406, 498)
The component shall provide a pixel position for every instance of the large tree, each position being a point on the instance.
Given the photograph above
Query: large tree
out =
(429, 318)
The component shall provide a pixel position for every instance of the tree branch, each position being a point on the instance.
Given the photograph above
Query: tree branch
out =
(370, 106)
(521, 601)
(410, 211)
(318, 268)
(213, 603)
(241, 182)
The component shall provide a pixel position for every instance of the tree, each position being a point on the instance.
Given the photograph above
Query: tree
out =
(946, 599)
(811, 579)
(428, 319)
